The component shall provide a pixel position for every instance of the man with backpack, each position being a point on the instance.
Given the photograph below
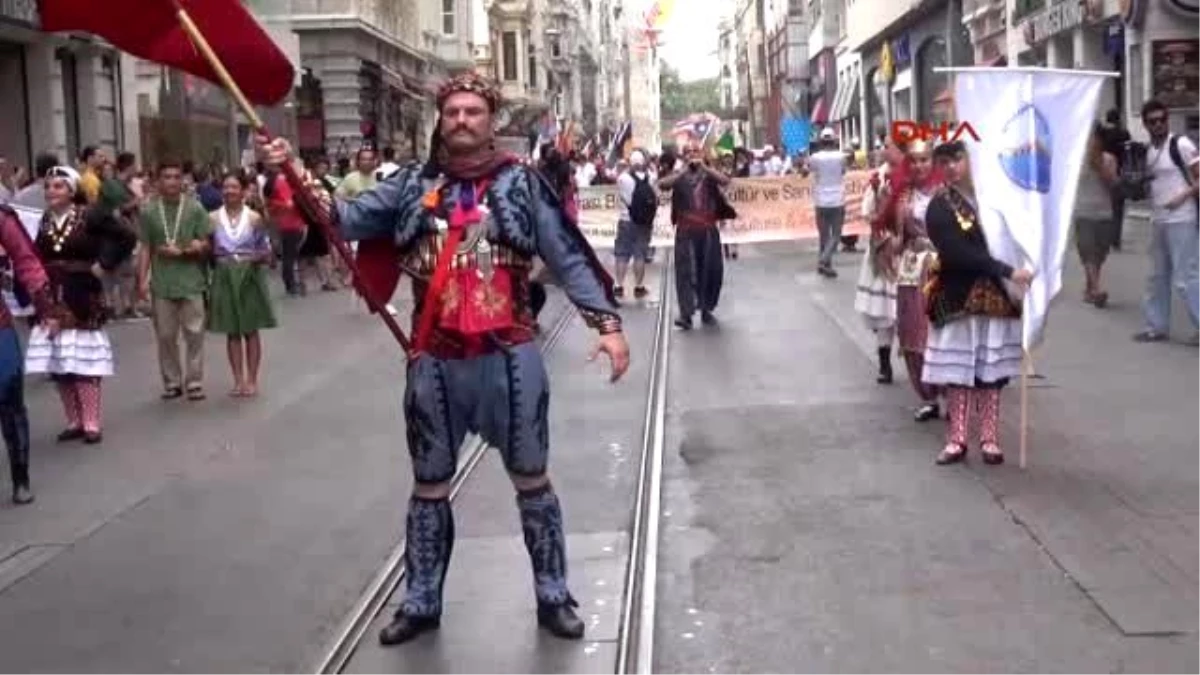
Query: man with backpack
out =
(635, 226)
(1172, 165)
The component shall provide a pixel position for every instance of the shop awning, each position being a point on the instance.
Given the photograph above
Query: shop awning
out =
(820, 111)
(846, 95)
(838, 97)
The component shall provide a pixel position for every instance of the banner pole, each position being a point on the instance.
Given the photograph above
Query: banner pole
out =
(304, 198)
(1026, 364)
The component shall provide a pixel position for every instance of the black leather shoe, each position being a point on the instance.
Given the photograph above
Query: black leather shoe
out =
(561, 620)
(22, 494)
(404, 628)
(708, 319)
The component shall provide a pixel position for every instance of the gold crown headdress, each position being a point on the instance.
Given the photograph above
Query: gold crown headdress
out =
(919, 147)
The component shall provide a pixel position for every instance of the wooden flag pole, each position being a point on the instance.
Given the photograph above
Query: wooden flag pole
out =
(1026, 366)
(306, 200)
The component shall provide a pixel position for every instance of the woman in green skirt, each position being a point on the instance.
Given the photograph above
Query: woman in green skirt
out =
(240, 304)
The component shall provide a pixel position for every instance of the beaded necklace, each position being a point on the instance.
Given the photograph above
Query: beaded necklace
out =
(61, 228)
(173, 233)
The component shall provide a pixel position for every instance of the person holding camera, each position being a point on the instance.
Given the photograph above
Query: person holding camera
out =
(697, 205)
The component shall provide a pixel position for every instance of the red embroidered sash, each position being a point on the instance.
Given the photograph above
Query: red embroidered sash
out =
(462, 300)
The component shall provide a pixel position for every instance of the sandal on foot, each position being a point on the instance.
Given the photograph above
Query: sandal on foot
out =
(953, 453)
(992, 454)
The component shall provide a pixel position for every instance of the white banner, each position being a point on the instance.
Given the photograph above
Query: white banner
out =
(1034, 126)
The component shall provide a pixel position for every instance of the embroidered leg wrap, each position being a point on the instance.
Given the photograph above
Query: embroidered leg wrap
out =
(88, 391)
(70, 403)
(14, 423)
(427, 551)
(988, 404)
(542, 522)
(958, 400)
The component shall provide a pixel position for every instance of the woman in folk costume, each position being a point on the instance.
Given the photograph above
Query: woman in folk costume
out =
(916, 257)
(875, 297)
(78, 247)
(974, 344)
(240, 303)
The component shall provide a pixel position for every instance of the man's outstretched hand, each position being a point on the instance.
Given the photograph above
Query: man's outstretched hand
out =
(617, 348)
(274, 152)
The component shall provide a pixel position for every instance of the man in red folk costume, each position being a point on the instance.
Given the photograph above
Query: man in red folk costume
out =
(469, 223)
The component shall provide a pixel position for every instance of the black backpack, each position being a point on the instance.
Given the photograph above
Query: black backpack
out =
(1134, 178)
(1177, 160)
(644, 204)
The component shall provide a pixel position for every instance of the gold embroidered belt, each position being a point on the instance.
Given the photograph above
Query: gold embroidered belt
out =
(423, 260)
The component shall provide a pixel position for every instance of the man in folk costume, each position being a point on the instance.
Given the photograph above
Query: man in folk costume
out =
(469, 223)
(974, 344)
(875, 295)
(916, 256)
(30, 280)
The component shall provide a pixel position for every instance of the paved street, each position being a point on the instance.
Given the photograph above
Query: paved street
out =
(806, 527)
(811, 531)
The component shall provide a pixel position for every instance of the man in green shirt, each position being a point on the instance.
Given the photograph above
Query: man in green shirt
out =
(172, 273)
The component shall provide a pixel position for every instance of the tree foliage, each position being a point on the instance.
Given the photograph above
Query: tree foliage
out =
(680, 99)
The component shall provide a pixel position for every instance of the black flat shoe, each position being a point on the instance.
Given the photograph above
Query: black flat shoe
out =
(92, 437)
(684, 324)
(929, 411)
(404, 628)
(708, 319)
(561, 620)
(172, 393)
(70, 435)
(992, 454)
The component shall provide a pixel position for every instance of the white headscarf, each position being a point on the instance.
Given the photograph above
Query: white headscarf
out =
(65, 173)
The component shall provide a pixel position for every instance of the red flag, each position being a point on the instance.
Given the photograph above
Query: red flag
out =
(150, 29)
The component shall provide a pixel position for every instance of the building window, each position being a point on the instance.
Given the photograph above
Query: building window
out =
(508, 52)
(448, 17)
(555, 47)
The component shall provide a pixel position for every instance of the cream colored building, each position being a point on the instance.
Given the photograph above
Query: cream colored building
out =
(1131, 37)
(61, 92)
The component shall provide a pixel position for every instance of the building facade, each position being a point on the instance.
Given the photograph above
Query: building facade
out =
(369, 68)
(1162, 48)
(901, 49)
(1151, 44)
(987, 25)
(1068, 34)
(61, 92)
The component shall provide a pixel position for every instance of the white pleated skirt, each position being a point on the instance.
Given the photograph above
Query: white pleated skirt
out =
(874, 297)
(973, 349)
(71, 352)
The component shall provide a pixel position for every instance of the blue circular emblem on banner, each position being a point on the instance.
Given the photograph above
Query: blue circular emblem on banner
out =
(1026, 156)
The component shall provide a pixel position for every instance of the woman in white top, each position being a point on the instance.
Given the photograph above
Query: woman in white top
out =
(1095, 229)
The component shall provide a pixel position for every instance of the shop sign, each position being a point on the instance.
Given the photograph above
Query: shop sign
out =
(1060, 17)
(24, 12)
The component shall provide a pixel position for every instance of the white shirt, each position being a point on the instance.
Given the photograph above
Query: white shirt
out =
(1168, 182)
(828, 168)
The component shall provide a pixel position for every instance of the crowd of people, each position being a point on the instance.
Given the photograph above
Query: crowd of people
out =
(188, 247)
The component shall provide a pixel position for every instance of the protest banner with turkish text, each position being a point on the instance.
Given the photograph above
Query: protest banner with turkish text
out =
(777, 208)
